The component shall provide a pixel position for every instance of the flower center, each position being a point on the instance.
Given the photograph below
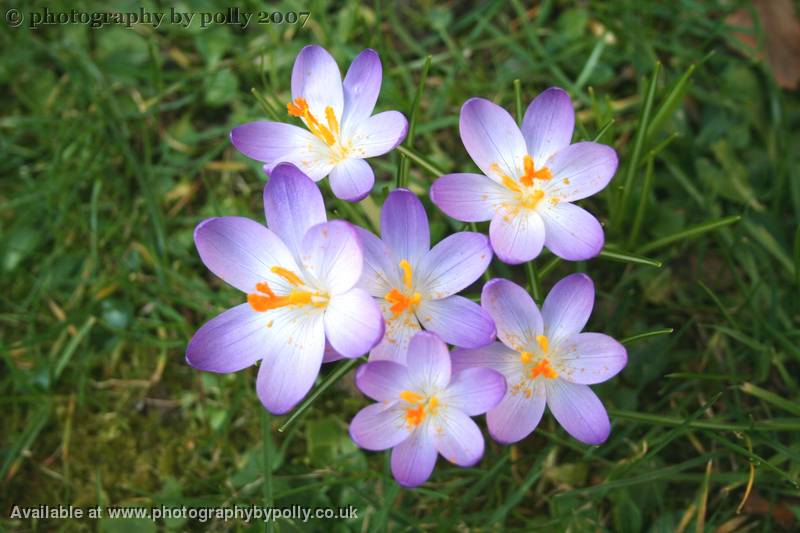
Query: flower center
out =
(329, 134)
(265, 299)
(527, 193)
(420, 407)
(401, 300)
(541, 367)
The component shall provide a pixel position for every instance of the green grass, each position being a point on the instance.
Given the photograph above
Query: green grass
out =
(114, 145)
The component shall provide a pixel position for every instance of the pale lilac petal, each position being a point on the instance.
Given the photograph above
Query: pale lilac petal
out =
(457, 320)
(548, 124)
(428, 362)
(496, 356)
(580, 170)
(413, 459)
(492, 137)
(517, 237)
(453, 264)
(352, 179)
(292, 204)
(380, 274)
(273, 142)
(362, 83)
(457, 437)
(293, 358)
(571, 232)
(567, 307)
(399, 331)
(379, 427)
(314, 160)
(353, 323)
(404, 227)
(579, 411)
(589, 358)
(469, 197)
(242, 252)
(382, 380)
(331, 355)
(331, 252)
(229, 342)
(518, 414)
(378, 134)
(515, 314)
(316, 78)
(475, 390)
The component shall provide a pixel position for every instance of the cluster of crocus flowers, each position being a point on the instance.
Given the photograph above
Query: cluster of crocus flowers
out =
(318, 290)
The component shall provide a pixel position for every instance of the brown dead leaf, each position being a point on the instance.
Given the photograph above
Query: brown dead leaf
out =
(781, 513)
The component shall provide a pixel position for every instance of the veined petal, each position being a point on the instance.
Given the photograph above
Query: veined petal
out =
(399, 331)
(492, 137)
(475, 390)
(454, 264)
(353, 323)
(469, 197)
(580, 170)
(589, 358)
(579, 411)
(331, 355)
(294, 356)
(382, 380)
(378, 134)
(229, 342)
(352, 179)
(496, 356)
(567, 307)
(292, 204)
(316, 78)
(362, 83)
(331, 252)
(428, 362)
(379, 426)
(273, 142)
(571, 232)
(242, 252)
(413, 459)
(380, 273)
(457, 320)
(457, 437)
(517, 237)
(404, 227)
(515, 314)
(313, 160)
(548, 124)
(518, 414)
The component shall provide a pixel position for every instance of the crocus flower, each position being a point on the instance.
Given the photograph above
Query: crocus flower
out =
(299, 277)
(546, 359)
(415, 285)
(424, 410)
(531, 179)
(342, 131)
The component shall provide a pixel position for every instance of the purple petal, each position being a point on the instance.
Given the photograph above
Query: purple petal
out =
(379, 427)
(492, 137)
(353, 323)
(362, 83)
(352, 179)
(517, 237)
(379, 134)
(404, 227)
(331, 355)
(518, 414)
(379, 273)
(413, 459)
(382, 380)
(515, 314)
(242, 252)
(229, 342)
(454, 264)
(399, 331)
(457, 437)
(316, 78)
(581, 170)
(578, 409)
(496, 356)
(457, 320)
(571, 232)
(548, 123)
(475, 390)
(428, 362)
(294, 356)
(589, 358)
(313, 160)
(468, 197)
(331, 252)
(273, 142)
(292, 204)
(568, 306)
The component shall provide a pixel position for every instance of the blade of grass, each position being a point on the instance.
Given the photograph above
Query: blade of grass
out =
(671, 101)
(402, 172)
(591, 63)
(421, 161)
(663, 420)
(266, 458)
(627, 257)
(515, 497)
(603, 130)
(73, 344)
(771, 398)
(689, 233)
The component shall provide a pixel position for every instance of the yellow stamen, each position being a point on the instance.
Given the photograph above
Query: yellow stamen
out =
(543, 342)
(333, 124)
(299, 108)
(417, 412)
(268, 300)
(400, 302)
(543, 368)
(410, 396)
(532, 174)
(288, 275)
(415, 415)
(406, 268)
(525, 357)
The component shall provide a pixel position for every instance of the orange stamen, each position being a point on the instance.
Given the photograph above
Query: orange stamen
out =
(299, 108)
(400, 302)
(286, 274)
(543, 368)
(416, 414)
(532, 174)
